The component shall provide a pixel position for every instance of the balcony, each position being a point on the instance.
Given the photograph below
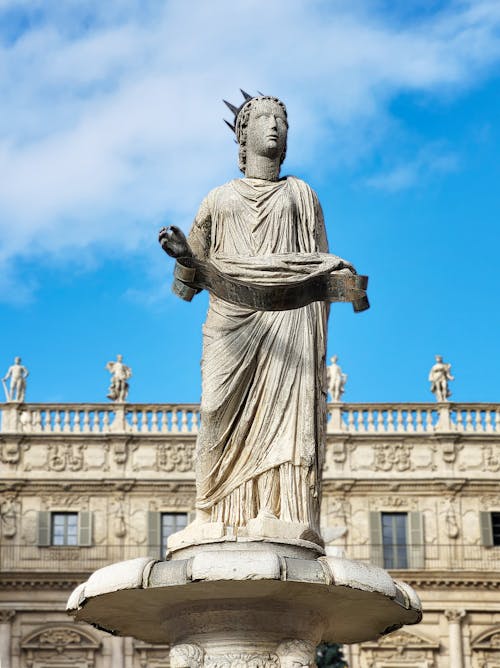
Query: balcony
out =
(350, 419)
(31, 559)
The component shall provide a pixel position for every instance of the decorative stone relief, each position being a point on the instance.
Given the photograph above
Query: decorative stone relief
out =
(118, 515)
(400, 502)
(454, 615)
(486, 649)
(449, 450)
(59, 645)
(491, 458)
(490, 502)
(187, 656)
(401, 646)
(392, 456)
(173, 500)
(65, 500)
(152, 656)
(65, 457)
(61, 457)
(450, 516)
(121, 449)
(337, 509)
(338, 451)
(175, 456)
(293, 653)
(10, 451)
(241, 660)
(10, 510)
(6, 616)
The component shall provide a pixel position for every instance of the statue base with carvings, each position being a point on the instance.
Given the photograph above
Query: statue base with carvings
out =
(251, 602)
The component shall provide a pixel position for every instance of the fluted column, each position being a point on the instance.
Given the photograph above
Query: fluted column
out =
(117, 652)
(454, 618)
(6, 617)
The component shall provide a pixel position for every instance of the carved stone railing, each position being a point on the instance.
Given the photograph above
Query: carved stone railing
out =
(369, 418)
(100, 419)
(413, 418)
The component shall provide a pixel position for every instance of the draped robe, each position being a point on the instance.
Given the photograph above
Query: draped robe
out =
(263, 407)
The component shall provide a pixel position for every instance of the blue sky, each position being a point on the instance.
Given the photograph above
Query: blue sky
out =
(111, 127)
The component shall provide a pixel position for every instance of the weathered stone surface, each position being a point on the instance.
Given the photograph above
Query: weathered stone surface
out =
(237, 565)
(351, 603)
(123, 575)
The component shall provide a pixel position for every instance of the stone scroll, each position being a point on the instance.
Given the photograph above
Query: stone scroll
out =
(192, 275)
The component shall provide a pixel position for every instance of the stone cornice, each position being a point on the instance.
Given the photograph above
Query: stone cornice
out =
(37, 581)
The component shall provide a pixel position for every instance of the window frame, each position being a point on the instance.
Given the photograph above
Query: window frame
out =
(54, 516)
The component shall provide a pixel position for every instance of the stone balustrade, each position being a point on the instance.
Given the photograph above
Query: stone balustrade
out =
(359, 418)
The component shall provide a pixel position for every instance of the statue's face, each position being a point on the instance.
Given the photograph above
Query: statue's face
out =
(119, 358)
(267, 129)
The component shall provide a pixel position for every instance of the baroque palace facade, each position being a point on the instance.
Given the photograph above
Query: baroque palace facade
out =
(411, 487)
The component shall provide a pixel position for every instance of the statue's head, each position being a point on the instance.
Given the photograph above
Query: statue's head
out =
(334, 359)
(296, 654)
(17, 360)
(439, 359)
(186, 656)
(261, 126)
(119, 358)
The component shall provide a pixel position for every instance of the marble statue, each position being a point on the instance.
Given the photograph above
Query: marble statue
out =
(248, 584)
(120, 374)
(17, 373)
(336, 380)
(260, 446)
(439, 376)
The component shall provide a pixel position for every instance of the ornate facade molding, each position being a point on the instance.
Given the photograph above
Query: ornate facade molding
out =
(6, 616)
(392, 457)
(61, 638)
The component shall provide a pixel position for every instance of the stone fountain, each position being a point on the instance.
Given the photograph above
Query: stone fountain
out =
(249, 582)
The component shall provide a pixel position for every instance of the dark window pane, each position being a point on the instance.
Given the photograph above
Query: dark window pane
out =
(170, 523)
(395, 549)
(495, 525)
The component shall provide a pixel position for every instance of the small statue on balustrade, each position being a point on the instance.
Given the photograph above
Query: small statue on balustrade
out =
(439, 376)
(120, 374)
(336, 380)
(17, 374)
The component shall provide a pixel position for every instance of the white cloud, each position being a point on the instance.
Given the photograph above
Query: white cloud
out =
(429, 161)
(111, 117)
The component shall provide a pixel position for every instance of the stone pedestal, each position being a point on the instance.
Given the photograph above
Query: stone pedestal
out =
(257, 602)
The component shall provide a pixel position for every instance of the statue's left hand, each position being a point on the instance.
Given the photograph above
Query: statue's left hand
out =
(343, 264)
(173, 241)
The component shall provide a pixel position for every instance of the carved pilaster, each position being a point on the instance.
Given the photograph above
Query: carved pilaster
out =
(454, 617)
(6, 617)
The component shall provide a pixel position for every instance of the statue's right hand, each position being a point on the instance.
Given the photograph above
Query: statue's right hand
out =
(173, 241)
